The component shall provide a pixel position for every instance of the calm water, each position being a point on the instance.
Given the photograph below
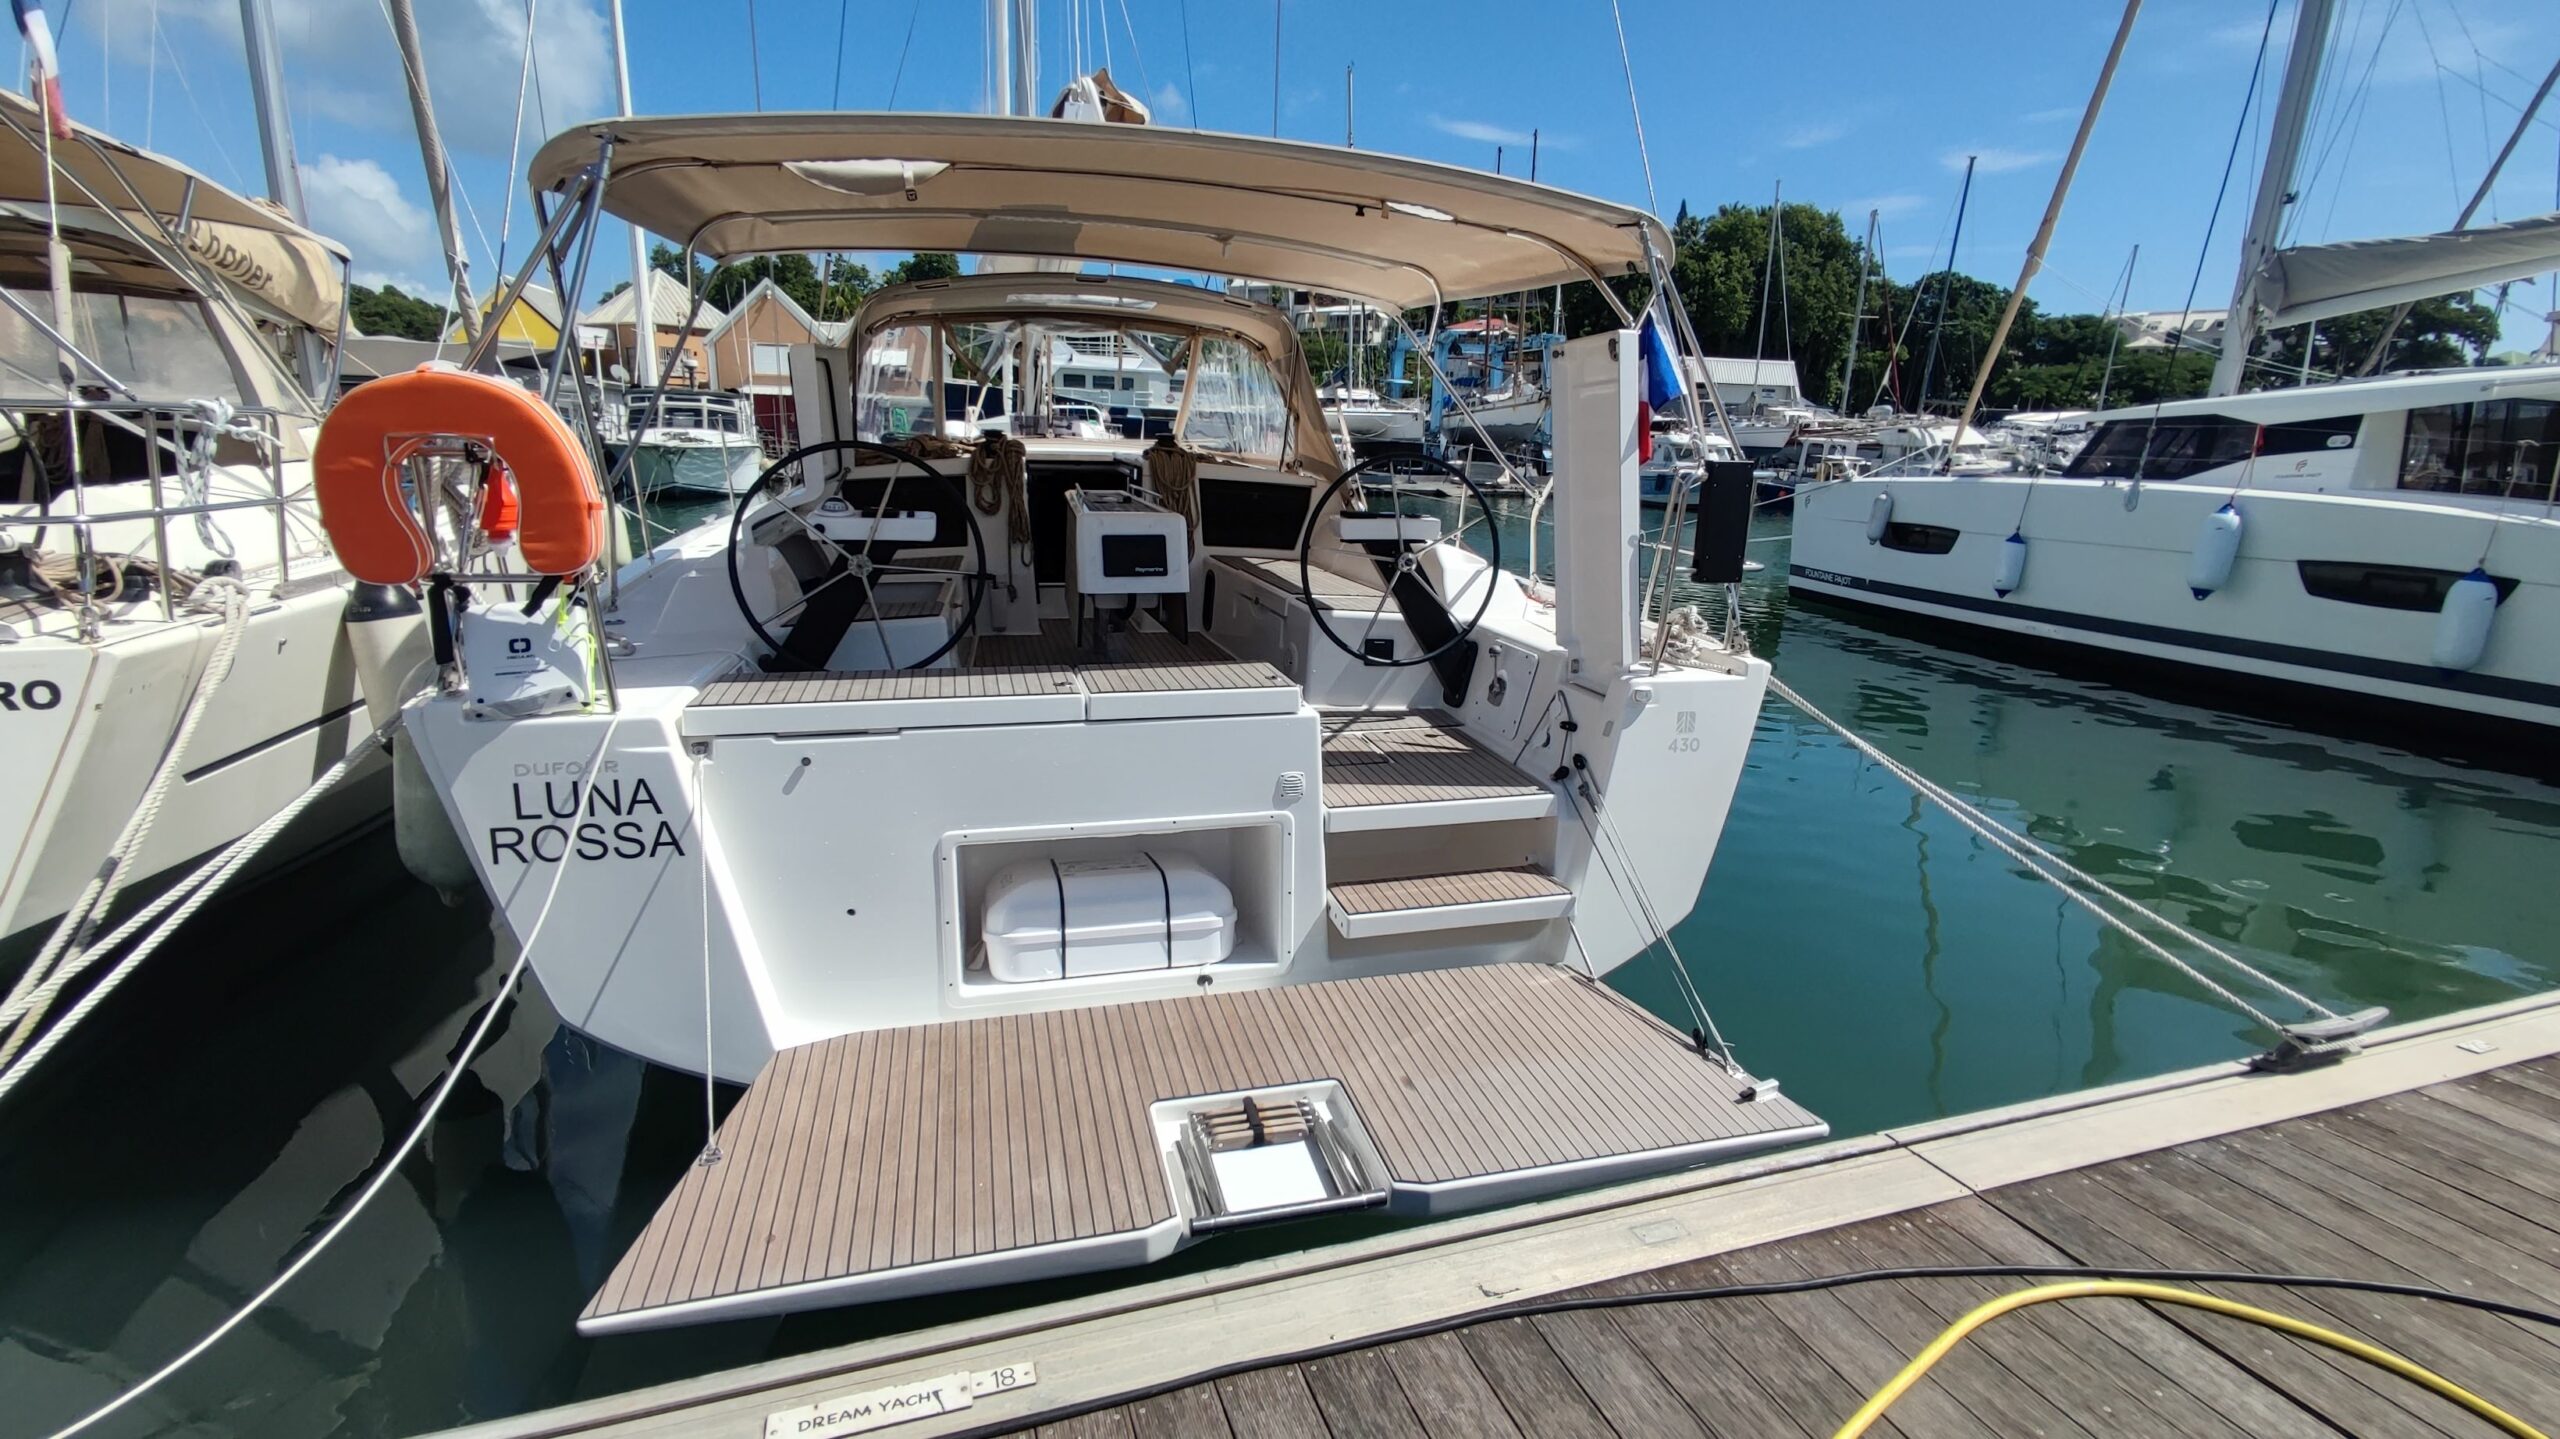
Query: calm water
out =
(1863, 948)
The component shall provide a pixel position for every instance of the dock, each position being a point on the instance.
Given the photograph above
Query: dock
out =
(2432, 1157)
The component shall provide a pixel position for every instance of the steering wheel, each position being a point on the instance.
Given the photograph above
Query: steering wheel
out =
(873, 556)
(1406, 574)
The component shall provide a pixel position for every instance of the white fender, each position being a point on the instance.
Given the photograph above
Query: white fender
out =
(2217, 548)
(1879, 515)
(2462, 625)
(2013, 565)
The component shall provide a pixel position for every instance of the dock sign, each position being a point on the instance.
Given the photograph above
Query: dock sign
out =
(896, 1404)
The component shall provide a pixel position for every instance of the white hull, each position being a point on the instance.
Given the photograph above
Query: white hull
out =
(616, 826)
(2112, 580)
(88, 722)
(723, 466)
(1378, 424)
(1506, 418)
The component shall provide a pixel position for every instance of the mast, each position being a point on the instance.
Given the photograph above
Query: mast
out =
(275, 126)
(1858, 309)
(275, 142)
(413, 67)
(2488, 182)
(644, 309)
(1946, 283)
(1768, 272)
(2044, 230)
(1026, 58)
(2275, 189)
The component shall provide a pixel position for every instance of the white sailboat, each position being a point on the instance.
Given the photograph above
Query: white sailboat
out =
(175, 661)
(2390, 540)
(692, 442)
(1167, 786)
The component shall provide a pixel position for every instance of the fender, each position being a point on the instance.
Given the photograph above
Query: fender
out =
(376, 428)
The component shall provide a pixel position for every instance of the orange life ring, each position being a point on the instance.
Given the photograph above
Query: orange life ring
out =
(356, 470)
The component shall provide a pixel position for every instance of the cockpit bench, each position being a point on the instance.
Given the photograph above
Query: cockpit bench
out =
(1333, 591)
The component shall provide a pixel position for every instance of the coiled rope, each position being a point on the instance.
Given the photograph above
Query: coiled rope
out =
(997, 477)
(2084, 888)
(1174, 474)
(33, 993)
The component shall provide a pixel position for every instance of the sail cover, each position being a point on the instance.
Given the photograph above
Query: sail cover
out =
(247, 244)
(2315, 282)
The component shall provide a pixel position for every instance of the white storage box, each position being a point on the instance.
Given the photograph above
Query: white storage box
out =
(1052, 919)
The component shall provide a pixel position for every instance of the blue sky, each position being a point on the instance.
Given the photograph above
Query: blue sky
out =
(1852, 106)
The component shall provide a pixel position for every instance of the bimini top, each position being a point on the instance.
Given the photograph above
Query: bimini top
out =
(256, 249)
(1345, 222)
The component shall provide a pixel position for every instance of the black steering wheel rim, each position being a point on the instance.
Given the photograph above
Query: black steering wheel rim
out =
(1465, 629)
(976, 584)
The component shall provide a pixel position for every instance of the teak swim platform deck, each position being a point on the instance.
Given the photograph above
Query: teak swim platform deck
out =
(1026, 1146)
(2432, 1158)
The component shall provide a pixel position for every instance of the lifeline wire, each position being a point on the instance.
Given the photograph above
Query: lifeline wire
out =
(2044, 862)
(1580, 1303)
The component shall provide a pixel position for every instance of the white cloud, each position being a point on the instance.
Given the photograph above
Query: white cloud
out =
(1168, 104)
(1478, 131)
(341, 62)
(1994, 160)
(1805, 137)
(1887, 205)
(359, 204)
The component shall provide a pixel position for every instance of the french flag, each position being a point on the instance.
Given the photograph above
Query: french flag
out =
(44, 71)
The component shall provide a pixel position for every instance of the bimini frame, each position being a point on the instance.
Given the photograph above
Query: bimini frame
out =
(1391, 232)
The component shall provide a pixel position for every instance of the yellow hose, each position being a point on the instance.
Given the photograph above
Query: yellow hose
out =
(1955, 1333)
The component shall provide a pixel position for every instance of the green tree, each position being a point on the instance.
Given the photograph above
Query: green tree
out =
(389, 313)
(2441, 333)
(923, 265)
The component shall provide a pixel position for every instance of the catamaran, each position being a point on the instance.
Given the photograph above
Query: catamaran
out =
(2390, 542)
(1085, 845)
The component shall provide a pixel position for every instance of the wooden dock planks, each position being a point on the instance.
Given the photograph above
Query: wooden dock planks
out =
(2391, 1189)
(878, 1151)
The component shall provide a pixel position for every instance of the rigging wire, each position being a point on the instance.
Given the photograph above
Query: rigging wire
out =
(899, 78)
(755, 56)
(1190, 79)
(1144, 81)
(1652, 202)
(835, 93)
(515, 138)
(2213, 219)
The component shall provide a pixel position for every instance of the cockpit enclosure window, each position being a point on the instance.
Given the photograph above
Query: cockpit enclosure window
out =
(2176, 447)
(894, 386)
(1236, 406)
(164, 348)
(1064, 375)
(2493, 447)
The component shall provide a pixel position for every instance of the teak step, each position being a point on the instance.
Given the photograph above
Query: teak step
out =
(1465, 899)
(1417, 771)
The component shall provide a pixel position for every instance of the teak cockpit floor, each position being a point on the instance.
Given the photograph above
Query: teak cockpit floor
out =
(1418, 757)
(1050, 662)
(1019, 1146)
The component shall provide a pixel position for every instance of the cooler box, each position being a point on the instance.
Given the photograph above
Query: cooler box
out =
(1060, 919)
